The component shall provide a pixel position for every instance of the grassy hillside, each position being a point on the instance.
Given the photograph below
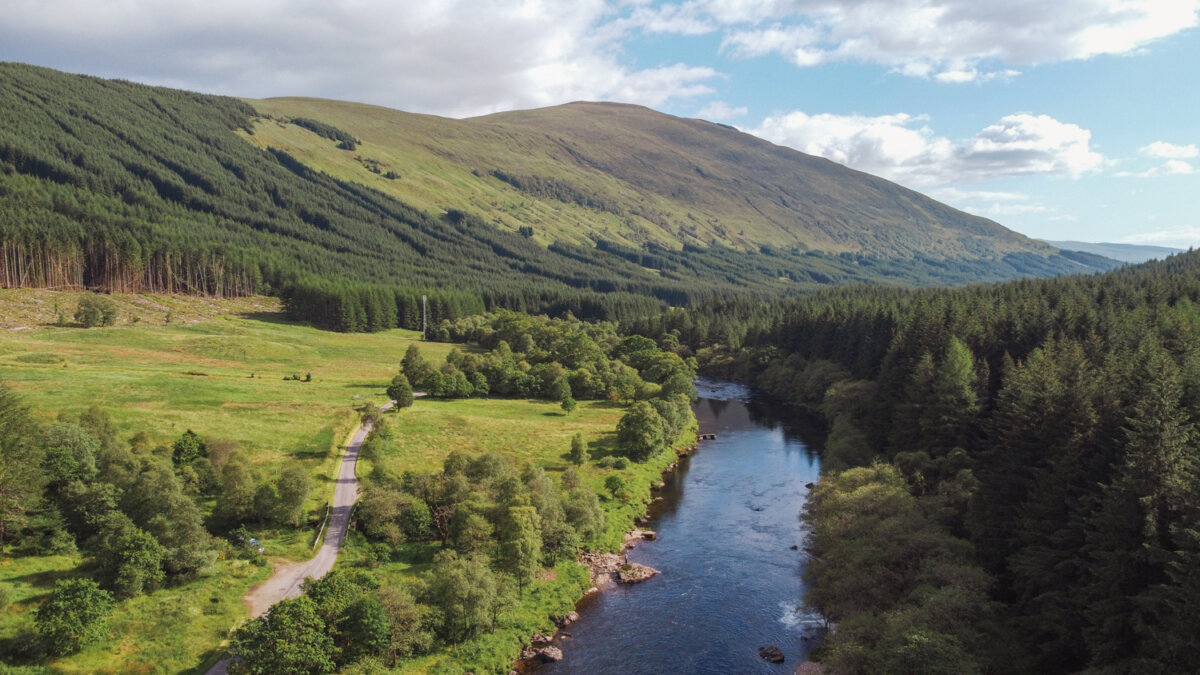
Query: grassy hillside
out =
(625, 173)
(606, 211)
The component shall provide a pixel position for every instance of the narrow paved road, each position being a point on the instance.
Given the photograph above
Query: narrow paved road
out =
(286, 580)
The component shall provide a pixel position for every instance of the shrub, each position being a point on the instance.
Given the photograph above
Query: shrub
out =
(579, 449)
(94, 310)
(613, 462)
(400, 391)
(75, 615)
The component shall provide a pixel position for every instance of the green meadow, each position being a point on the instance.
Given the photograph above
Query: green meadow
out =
(219, 368)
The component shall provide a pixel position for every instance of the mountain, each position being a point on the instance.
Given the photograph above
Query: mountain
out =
(1127, 253)
(352, 213)
(583, 171)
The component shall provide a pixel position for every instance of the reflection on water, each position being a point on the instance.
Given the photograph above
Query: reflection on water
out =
(731, 580)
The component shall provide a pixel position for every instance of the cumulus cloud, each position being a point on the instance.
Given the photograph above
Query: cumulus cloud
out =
(462, 57)
(451, 57)
(905, 149)
(1171, 167)
(1164, 150)
(720, 110)
(1174, 164)
(1177, 167)
(951, 41)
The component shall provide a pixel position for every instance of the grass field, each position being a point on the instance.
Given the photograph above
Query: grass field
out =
(171, 630)
(195, 373)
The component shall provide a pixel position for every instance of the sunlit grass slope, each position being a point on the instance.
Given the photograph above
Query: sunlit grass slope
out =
(631, 175)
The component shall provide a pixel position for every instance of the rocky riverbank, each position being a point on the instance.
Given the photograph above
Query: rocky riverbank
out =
(606, 569)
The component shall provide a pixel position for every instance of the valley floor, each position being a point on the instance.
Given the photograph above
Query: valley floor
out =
(219, 368)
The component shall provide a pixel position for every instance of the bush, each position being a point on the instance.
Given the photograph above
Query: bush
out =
(76, 614)
(291, 638)
(94, 310)
(400, 391)
(579, 449)
(613, 462)
(642, 432)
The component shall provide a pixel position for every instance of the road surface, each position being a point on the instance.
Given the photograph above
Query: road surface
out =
(285, 581)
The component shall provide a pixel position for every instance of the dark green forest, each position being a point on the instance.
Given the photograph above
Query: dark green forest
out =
(1028, 485)
(121, 187)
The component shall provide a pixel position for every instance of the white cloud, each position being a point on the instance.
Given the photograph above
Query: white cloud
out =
(463, 57)
(1177, 167)
(1002, 210)
(958, 195)
(904, 148)
(993, 204)
(674, 19)
(720, 110)
(1180, 237)
(949, 40)
(1171, 167)
(451, 57)
(1165, 150)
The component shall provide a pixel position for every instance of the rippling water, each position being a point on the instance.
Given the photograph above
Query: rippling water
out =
(730, 582)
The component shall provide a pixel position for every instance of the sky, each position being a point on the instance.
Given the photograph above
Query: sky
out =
(1060, 119)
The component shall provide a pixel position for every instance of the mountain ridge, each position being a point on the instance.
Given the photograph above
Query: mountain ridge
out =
(668, 180)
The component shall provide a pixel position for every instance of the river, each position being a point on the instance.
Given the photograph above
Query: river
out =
(730, 580)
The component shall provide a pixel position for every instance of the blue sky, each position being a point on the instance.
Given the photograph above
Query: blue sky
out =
(1070, 119)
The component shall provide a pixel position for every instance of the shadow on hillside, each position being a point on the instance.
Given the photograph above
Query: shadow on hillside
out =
(604, 446)
(45, 579)
(271, 317)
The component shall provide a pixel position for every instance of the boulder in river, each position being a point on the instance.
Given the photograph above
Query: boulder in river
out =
(550, 654)
(772, 654)
(567, 619)
(634, 573)
(642, 535)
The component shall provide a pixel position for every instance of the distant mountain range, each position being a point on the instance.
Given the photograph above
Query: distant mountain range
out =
(1127, 253)
(594, 208)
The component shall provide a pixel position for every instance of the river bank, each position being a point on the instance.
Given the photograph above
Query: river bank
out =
(606, 569)
(727, 544)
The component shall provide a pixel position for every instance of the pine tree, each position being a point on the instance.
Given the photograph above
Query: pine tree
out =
(1131, 537)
